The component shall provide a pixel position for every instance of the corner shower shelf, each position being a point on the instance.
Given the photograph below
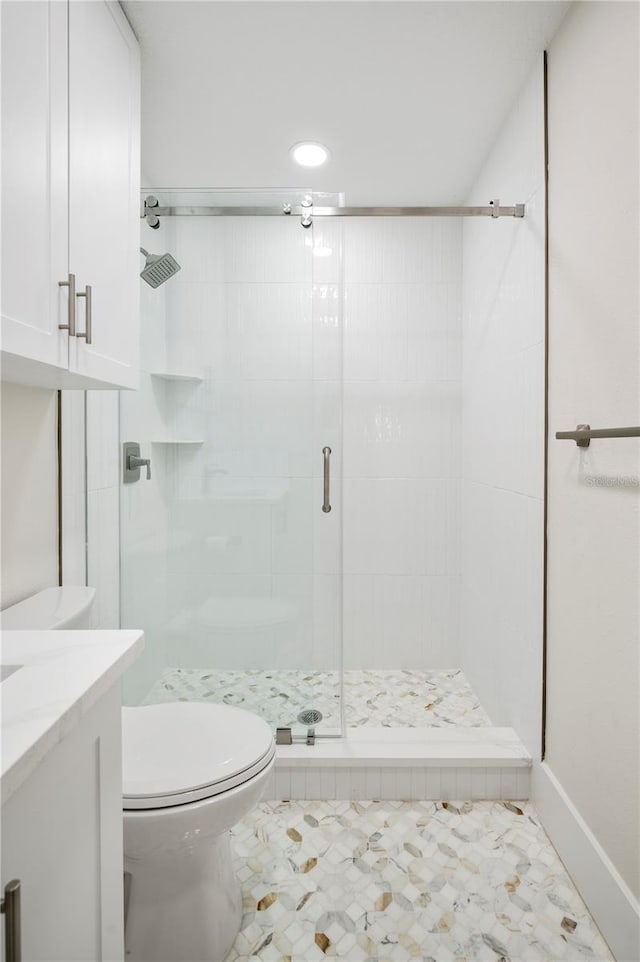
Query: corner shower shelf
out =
(177, 441)
(174, 376)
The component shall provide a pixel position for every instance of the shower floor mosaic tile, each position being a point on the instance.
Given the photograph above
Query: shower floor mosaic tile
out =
(407, 698)
(437, 881)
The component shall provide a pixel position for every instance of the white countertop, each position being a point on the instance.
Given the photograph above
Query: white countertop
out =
(62, 675)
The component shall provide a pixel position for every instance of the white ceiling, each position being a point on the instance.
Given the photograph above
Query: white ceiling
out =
(408, 96)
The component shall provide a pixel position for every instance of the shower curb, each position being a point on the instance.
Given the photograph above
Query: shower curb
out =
(405, 764)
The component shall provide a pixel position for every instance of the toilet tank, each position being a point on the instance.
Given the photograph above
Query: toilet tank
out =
(53, 608)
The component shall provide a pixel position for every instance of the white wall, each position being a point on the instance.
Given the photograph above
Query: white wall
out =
(594, 494)
(29, 492)
(503, 427)
(401, 442)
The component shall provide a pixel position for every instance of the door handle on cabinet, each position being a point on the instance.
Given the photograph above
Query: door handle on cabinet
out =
(87, 327)
(10, 907)
(71, 308)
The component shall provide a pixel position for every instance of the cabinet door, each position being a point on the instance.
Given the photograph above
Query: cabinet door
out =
(34, 184)
(62, 837)
(104, 189)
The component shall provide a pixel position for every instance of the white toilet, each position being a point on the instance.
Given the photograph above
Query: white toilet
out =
(190, 772)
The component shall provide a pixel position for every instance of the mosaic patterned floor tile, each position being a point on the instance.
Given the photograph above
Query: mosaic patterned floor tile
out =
(407, 698)
(437, 881)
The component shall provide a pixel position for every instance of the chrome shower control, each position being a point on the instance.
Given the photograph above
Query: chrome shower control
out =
(133, 462)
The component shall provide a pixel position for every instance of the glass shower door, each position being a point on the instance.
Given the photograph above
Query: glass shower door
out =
(229, 562)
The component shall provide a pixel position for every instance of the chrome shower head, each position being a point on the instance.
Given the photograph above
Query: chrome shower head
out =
(159, 268)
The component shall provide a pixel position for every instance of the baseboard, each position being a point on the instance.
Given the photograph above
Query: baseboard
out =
(613, 906)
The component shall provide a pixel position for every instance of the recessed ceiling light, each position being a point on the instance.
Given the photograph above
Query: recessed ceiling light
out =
(309, 154)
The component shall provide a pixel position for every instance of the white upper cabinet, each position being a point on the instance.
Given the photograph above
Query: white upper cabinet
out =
(70, 194)
(34, 181)
(104, 189)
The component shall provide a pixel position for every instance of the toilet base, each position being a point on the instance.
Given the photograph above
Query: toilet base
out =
(183, 906)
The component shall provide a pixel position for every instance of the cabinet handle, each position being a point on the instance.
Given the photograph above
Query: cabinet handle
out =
(87, 327)
(71, 309)
(10, 907)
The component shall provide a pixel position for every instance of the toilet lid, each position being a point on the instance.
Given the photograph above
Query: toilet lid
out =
(184, 751)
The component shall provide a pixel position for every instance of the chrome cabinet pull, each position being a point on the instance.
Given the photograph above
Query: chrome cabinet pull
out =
(10, 908)
(326, 505)
(71, 307)
(87, 327)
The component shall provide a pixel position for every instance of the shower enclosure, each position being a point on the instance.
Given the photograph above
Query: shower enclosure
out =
(231, 553)
(292, 364)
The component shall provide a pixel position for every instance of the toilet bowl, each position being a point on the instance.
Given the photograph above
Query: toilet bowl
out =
(190, 772)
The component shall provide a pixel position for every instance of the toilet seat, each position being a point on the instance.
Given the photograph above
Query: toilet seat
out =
(182, 752)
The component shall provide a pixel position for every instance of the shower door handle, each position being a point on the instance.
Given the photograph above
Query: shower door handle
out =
(10, 908)
(326, 504)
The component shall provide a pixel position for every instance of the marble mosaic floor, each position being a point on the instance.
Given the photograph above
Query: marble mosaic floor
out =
(437, 881)
(406, 698)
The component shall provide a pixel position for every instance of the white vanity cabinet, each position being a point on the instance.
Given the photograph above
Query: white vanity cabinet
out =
(61, 790)
(70, 194)
(62, 838)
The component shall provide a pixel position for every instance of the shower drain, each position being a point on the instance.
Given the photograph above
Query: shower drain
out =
(311, 716)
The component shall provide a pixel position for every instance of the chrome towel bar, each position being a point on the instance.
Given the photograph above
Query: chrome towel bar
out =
(584, 433)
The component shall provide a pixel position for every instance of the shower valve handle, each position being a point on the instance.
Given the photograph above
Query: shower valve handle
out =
(134, 462)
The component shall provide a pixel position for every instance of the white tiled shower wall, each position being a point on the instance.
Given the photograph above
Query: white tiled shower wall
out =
(250, 582)
(503, 391)
(144, 523)
(401, 441)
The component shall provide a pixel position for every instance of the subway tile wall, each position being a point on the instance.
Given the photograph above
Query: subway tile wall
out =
(503, 442)
(402, 337)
